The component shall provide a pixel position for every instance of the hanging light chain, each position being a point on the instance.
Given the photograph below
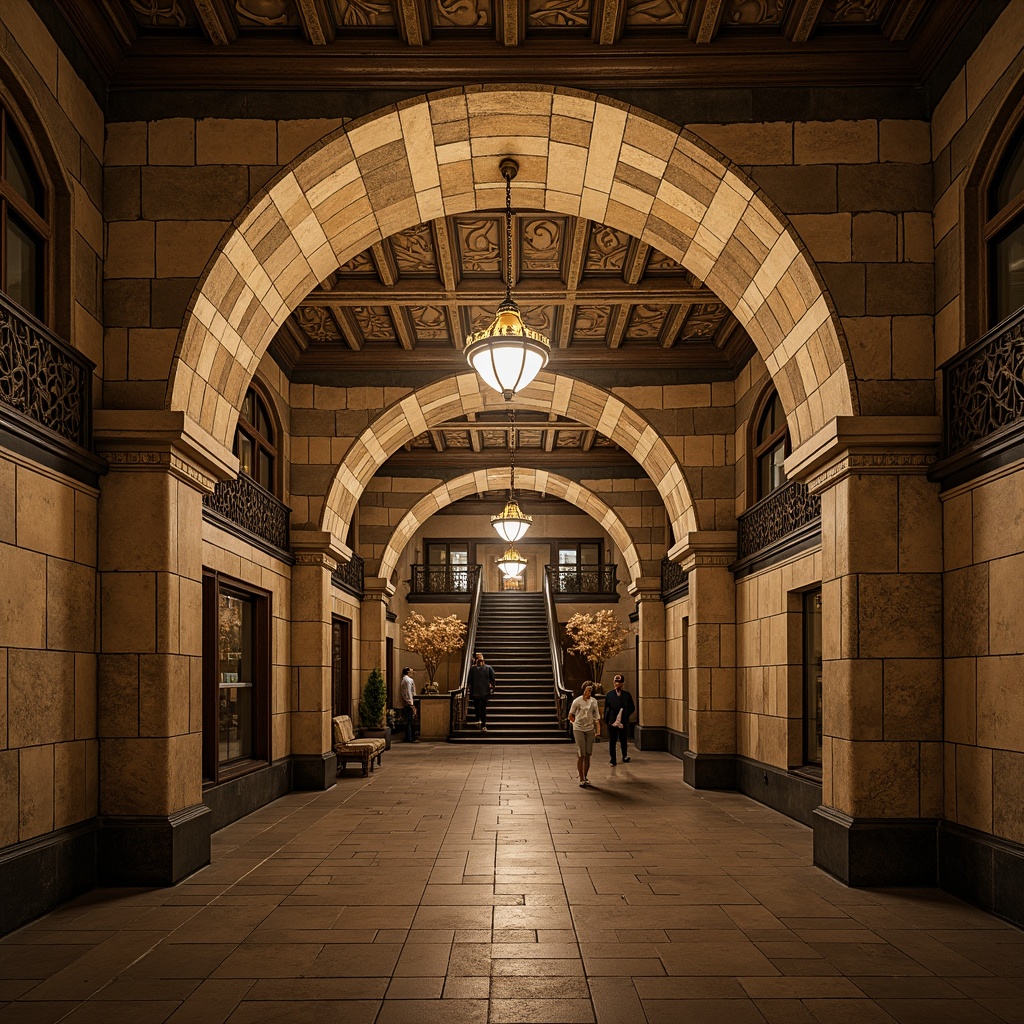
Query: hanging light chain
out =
(512, 453)
(508, 234)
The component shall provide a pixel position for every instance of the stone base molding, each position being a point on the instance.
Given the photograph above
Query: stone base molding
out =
(788, 792)
(659, 737)
(983, 870)
(240, 796)
(37, 875)
(876, 851)
(314, 771)
(709, 771)
(153, 849)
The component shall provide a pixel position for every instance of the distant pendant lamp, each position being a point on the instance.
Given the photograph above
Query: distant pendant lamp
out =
(511, 523)
(507, 353)
(511, 563)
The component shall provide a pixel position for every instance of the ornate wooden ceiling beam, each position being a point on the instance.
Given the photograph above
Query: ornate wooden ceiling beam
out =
(384, 261)
(350, 330)
(317, 24)
(803, 19)
(618, 325)
(413, 21)
(636, 262)
(901, 19)
(473, 292)
(707, 16)
(588, 439)
(475, 439)
(444, 255)
(217, 21)
(437, 440)
(574, 274)
(511, 22)
(406, 338)
(609, 20)
(674, 325)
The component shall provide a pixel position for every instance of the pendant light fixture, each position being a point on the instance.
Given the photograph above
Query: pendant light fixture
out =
(507, 353)
(511, 563)
(511, 523)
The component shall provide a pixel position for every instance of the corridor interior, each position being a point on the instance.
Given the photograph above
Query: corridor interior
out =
(481, 884)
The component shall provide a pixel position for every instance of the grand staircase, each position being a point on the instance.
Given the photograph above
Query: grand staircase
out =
(512, 633)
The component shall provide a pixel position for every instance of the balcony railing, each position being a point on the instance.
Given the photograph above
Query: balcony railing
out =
(349, 576)
(675, 582)
(599, 580)
(775, 517)
(252, 508)
(43, 378)
(443, 579)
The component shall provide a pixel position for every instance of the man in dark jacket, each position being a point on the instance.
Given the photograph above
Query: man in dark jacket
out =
(481, 686)
(618, 706)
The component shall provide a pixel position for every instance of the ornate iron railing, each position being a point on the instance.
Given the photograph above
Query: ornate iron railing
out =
(675, 582)
(349, 576)
(583, 579)
(785, 510)
(43, 378)
(984, 387)
(245, 503)
(443, 579)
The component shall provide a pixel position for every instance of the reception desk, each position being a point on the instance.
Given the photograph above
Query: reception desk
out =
(435, 715)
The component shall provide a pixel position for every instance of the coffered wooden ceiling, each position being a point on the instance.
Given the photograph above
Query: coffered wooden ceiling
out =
(422, 44)
(603, 298)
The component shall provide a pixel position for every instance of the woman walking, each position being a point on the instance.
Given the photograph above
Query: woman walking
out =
(585, 716)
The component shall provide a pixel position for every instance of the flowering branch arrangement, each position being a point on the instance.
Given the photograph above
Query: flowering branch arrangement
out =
(597, 638)
(433, 641)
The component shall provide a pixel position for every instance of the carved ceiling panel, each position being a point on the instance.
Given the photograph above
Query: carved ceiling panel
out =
(754, 13)
(479, 241)
(657, 12)
(606, 250)
(461, 13)
(559, 13)
(414, 251)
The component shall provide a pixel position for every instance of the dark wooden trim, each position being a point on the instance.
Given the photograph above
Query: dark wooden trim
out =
(230, 526)
(33, 441)
(995, 452)
(804, 538)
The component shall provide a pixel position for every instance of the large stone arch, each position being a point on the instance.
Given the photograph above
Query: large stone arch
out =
(581, 154)
(467, 393)
(527, 479)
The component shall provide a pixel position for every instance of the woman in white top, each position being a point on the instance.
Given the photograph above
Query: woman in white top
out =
(585, 716)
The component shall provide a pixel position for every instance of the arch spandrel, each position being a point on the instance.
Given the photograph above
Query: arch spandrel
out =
(497, 478)
(458, 396)
(579, 153)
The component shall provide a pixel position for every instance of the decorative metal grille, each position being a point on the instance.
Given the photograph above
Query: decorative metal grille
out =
(984, 386)
(674, 581)
(250, 506)
(443, 579)
(785, 510)
(349, 576)
(43, 378)
(583, 579)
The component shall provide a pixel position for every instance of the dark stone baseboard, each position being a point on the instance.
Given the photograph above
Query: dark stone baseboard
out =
(232, 800)
(983, 870)
(876, 852)
(37, 875)
(153, 850)
(314, 771)
(797, 796)
(661, 738)
(709, 771)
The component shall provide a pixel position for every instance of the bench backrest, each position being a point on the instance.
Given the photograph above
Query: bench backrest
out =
(342, 728)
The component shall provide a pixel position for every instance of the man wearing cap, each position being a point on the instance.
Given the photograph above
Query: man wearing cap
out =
(618, 706)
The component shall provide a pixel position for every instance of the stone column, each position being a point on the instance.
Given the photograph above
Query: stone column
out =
(710, 761)
(314, 765)
(154, 828)
(882, 756)
(373, 626)
(650, 680)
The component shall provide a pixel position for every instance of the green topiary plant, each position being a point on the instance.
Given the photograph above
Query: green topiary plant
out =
(373, 701)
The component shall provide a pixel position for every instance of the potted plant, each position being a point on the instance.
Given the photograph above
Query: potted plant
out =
(433, 641)
(373, 703)
(597, 638)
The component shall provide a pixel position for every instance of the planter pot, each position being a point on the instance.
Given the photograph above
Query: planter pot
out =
(379, 734)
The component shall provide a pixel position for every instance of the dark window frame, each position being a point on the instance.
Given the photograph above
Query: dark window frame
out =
(469, 545)
(759, 450)
(560, 545)
(812, 687)
(39, 224)
(260, 442)
(997, 222)
(341, 666)
(214, 771)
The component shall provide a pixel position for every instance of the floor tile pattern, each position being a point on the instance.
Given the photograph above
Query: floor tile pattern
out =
(481, 884)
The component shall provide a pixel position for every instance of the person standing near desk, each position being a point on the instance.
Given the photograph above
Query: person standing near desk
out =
(408, 694)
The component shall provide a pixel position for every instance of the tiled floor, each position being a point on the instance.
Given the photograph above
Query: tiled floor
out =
(463, 884)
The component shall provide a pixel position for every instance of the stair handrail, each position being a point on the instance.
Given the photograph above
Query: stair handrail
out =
(563, 697)
(459, 701)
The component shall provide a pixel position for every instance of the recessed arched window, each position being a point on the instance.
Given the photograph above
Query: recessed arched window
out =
(770, 445)
(1004, 231)
(24, 228)
(256, 441)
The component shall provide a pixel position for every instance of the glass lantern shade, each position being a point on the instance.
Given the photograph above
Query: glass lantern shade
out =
(511, 523)
(507, 353)
(511, 563)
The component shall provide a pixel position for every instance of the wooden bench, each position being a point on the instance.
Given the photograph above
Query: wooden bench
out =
(348, 748)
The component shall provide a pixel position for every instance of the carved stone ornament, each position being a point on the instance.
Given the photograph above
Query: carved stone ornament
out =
(785, 510)
(871, 463)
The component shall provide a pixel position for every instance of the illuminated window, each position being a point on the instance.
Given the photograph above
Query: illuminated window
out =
(770, 447)
(255, 441)
(24, 230)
